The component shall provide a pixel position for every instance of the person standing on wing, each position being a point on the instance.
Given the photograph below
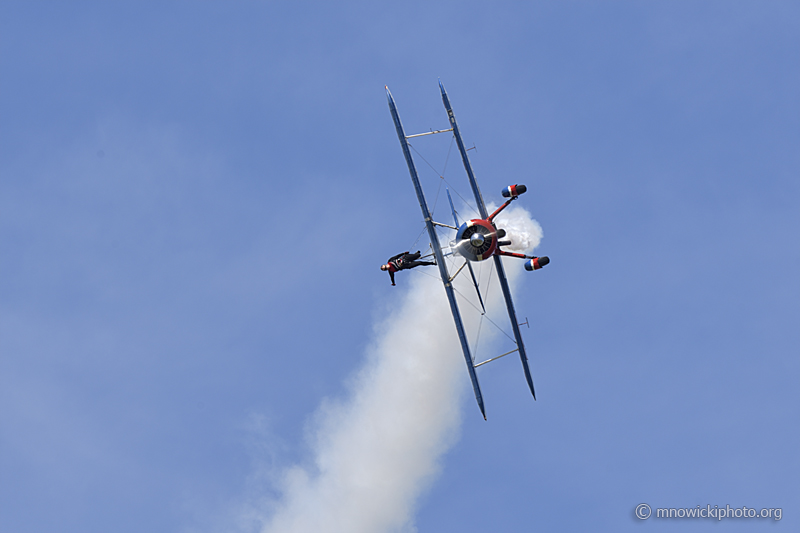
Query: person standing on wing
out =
(404, 261)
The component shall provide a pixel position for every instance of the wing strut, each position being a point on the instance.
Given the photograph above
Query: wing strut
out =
(501, 273)
(437, 249)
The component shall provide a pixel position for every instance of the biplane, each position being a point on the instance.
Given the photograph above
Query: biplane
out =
(475, 240)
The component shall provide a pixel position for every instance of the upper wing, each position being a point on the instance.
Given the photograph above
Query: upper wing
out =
(474, 184)
(437, 250)
(501, 274)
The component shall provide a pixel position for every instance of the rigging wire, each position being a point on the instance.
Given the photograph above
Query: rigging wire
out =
(464, 297)
(489, 281)
(436, 199)
(477, 339)
(446, 159)
(418, 237)
(488, 286)
(441, 176)
(486, 317)
(423, 158)
(462, 198)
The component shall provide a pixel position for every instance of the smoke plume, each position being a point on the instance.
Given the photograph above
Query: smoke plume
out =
(376, 451)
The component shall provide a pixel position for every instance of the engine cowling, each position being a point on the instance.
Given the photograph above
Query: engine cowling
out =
(536, 263)
(476, 240)
(512, 191)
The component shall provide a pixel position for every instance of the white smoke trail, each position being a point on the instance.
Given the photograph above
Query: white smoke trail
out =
(379, 449)
(523, 231)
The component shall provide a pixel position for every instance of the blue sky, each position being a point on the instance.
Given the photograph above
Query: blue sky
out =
(195, 200)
